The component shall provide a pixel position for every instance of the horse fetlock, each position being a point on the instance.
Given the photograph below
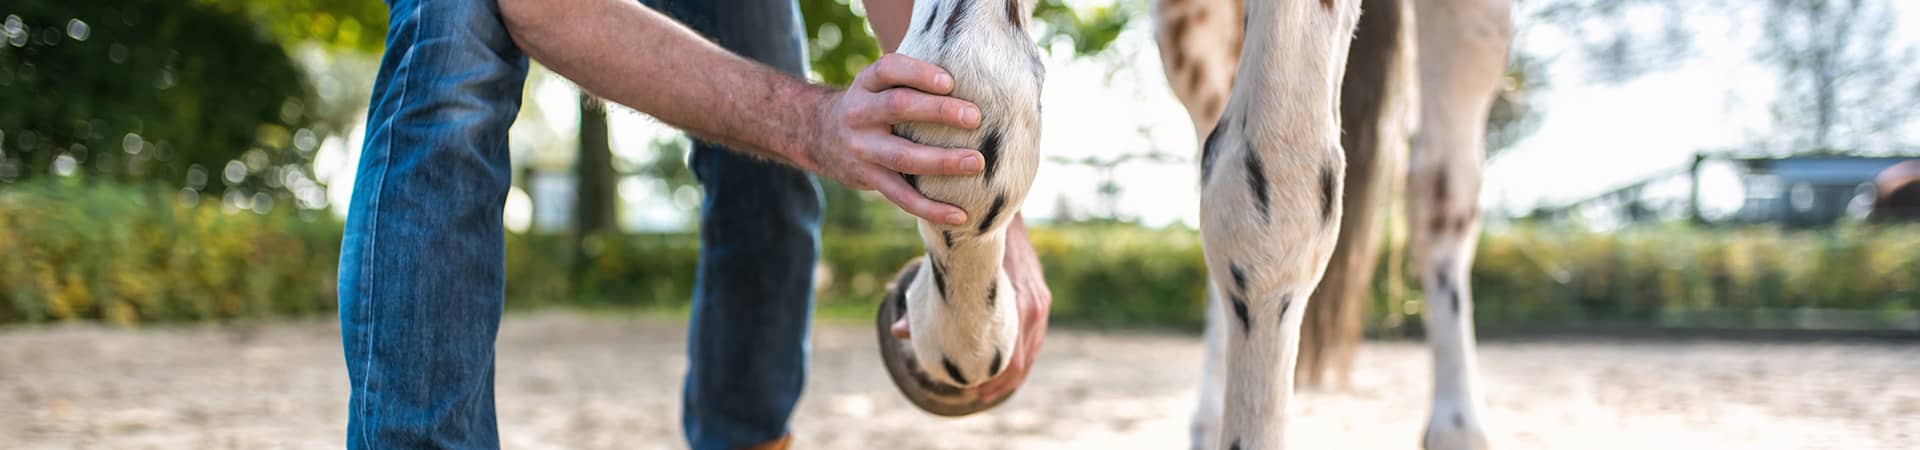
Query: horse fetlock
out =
(966, 334)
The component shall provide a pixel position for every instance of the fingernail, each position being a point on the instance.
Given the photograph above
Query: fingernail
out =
(970, 116)
(956, 218)
(943, 81)
(970, 163)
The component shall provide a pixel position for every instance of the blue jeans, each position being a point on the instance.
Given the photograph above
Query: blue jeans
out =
(421, 266)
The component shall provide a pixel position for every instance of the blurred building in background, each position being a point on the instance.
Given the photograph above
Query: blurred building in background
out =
(1730, 189)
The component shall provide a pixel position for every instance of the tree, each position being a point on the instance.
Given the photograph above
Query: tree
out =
(595, 204)
(351, 25)
(1843, 85)
(1616, 40)
(165, 91)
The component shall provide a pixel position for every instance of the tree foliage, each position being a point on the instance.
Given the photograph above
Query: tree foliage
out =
(1616, 41)
(841, 43)
(148, 90)
(838, 40)
(1844, 84)
(354, 25)
(1620, 40)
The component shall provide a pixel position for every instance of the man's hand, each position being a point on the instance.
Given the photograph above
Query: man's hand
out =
(1033, 299)
(854, 142)
(614, 49)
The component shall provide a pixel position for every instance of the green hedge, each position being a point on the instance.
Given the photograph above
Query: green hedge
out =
(120, 254)
(1678, 275)
(1111, 276)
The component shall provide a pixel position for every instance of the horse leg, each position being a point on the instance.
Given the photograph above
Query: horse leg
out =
(1463, 55)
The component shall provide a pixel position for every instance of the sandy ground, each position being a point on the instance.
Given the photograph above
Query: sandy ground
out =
(572, 381)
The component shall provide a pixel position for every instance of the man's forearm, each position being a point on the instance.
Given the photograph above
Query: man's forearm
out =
(890, 19)
(605, 45)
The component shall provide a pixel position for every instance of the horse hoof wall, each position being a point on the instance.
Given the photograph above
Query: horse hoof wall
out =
(897, 355)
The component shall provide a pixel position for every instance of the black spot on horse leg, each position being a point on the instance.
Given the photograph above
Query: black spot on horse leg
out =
(1236, 445)
(1013, 14)
(953, 371)
(1456, 301)
(994, 368)
(953, 21)
(939, 280)
(1257, 183)
(989, 154)
(993, 293)
(1328, 189)
(948, 236)
(1207, 150)
(1239, 278)
(928, 28)
(993, 212)
(1459, 422)
(1240, 310)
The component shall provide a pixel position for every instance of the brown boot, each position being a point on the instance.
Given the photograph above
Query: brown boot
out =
(777, 444)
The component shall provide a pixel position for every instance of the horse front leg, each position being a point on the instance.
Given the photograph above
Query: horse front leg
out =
(1272, 173)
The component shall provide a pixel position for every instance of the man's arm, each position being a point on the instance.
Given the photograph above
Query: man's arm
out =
(632, 55)
(890, 19)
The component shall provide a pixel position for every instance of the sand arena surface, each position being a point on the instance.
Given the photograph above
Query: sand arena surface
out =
(572, 381)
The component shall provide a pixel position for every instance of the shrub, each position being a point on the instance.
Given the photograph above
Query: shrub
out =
(123, 255)
(76, 251)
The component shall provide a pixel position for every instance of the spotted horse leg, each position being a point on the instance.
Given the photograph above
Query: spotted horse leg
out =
(1270, 201)
(957, 300)
(1463, 57)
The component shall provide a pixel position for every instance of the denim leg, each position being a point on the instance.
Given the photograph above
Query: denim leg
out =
(421, 265)
(759, 240)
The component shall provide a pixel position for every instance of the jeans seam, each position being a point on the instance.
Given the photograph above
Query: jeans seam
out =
(402, 75)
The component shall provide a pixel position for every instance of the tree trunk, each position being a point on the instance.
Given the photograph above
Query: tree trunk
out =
(593, 207)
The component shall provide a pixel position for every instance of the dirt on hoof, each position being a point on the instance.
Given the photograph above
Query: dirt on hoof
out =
(571, 381)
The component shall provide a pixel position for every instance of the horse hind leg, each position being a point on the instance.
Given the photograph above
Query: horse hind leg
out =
(1377, 110)
(1463, 49)
(1205, 427)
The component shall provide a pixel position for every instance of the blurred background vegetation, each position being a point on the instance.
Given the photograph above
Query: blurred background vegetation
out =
(126, 255)
(171, 160)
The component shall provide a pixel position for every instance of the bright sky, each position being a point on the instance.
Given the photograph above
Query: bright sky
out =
(1592, 137)
(1597, 137)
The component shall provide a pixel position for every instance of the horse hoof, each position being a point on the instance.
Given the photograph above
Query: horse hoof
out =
(897, 354)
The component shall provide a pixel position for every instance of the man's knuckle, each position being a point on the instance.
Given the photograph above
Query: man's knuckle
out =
(949, 108)
(899, 159)
(859, 148)
(888, 66)
(898, 101)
